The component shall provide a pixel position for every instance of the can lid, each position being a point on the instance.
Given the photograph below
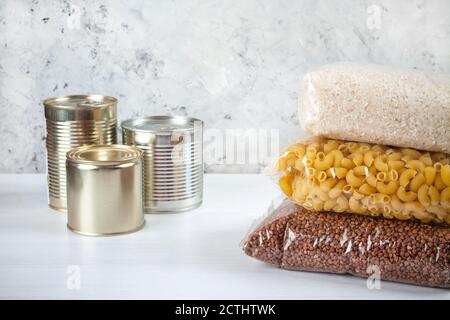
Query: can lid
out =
(161, 124)
(104, 154)
(80, 101)
(80, 107)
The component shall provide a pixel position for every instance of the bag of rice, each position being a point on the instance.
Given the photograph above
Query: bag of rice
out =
(377, 104)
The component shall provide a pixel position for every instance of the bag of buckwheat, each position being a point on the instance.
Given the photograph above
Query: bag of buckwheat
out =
(295, 238)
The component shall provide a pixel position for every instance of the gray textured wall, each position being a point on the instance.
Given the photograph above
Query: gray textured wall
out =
(234, 64)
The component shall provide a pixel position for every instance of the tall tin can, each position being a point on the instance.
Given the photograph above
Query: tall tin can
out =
(74, 121)
(104, 190)
(173, 160)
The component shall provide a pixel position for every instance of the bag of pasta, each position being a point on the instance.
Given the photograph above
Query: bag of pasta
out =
(367, 179)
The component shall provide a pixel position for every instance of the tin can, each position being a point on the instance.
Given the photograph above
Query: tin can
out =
(173, 160)
(74, 121)
(104, 190)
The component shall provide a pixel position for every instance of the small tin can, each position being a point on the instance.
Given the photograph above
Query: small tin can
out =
(74, 121)
(104, 190)
(173, 160)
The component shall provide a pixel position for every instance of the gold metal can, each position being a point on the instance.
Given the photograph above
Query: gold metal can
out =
(74, 121)
(104, 190)
(173, 160)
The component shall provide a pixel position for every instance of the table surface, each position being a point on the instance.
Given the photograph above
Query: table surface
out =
(191, 255)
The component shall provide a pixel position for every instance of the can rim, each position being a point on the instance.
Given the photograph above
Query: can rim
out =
(57, 101)
(106, 234)
(130, 124)
(126, 154)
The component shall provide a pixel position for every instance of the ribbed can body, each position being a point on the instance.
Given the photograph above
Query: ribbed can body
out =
(71, 122)
(173, 161)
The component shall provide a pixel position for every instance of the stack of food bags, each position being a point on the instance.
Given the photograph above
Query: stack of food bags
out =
(369, 191)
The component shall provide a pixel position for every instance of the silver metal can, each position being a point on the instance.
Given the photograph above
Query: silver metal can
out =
(74, 121)
(173, 160)
(104, 190)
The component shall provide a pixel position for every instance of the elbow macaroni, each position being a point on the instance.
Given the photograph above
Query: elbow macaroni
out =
(367, 179)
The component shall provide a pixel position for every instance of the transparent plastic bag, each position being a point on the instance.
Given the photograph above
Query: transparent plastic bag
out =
(377, 104)
(367, 179)
(295, 238)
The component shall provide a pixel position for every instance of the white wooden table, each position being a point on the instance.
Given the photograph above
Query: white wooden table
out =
(193, 255)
